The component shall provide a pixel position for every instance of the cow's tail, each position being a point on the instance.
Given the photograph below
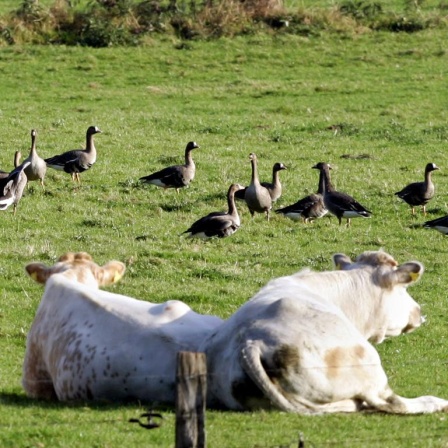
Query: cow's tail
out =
(251, 363)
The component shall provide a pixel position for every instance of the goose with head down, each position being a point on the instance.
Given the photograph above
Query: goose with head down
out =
(308, 208)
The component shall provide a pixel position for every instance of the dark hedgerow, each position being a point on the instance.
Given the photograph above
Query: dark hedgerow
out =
(125, 22)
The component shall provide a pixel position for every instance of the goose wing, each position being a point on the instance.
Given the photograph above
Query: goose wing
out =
(172, 176)
(343, 204)
(218, 224)
(302, 207)
(63, 159)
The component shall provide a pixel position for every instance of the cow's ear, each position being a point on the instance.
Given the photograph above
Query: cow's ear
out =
(406, 273)
(110, 273)
(38, 272)
(341, 261)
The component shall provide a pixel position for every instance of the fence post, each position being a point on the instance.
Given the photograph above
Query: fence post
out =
(191, 382)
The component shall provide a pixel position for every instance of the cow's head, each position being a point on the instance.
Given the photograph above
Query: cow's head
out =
(369, 258)
(78, 266)
(400, 313)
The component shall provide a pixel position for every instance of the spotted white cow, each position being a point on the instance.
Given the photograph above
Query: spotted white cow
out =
(301, 343)
(86, 343)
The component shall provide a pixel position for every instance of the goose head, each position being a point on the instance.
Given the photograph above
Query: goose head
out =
(93, 130)
(191, 146)
(431, 167)
(279, 166)
(322, 166)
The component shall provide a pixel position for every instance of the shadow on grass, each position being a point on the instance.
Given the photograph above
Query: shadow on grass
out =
(17, 400)
(187, 206)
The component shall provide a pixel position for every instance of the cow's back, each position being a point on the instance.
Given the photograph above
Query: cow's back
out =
(94, 344)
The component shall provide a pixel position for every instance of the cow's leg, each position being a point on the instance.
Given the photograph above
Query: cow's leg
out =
(340, 406)
(389, 402)
(36, 380)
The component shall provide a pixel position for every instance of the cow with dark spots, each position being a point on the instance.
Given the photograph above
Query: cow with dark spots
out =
(90, 344)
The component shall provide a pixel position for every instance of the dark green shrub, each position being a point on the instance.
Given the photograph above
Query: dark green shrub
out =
(361, 9)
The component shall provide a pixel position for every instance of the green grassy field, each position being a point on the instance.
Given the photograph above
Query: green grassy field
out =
(275, 96)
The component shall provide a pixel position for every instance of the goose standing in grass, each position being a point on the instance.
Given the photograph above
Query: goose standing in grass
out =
(176, 176)
(37, 168)
(11, 187)
(274, 187)
(257, 197)
(419, 193)
(310, 207)
(338, 203)
(218, 224)
(439, 224)
(77, 160)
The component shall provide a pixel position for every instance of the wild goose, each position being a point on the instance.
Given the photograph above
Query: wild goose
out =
(310, 207)
(17, 157)
(257, 197)
(419, 193)
(218, 224)
(439, 224)
(338, 203)
(37, 168)
(176, 176)
(274, 187)
(77, 160)
(11, 187)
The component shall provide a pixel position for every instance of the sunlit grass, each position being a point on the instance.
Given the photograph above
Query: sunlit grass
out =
(280, 97)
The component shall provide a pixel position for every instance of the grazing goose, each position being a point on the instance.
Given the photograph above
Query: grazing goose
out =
(419, 193)
(77, 160)
(218, 224)
(37, 168)
(439, 224)
(176, 176)
(257, 197)
(338, 203)
(17, 157)
(310, 207)
(274, 187)
(11, 187)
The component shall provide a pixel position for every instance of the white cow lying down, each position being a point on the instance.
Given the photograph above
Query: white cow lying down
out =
(86, 343)
(301, 343)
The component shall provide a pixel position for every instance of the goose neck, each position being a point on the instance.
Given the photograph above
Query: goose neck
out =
(90, 145)
(254, 177)
(33, 145)
(327, 186)
(231, 203)
(275, 178)
(188, 157)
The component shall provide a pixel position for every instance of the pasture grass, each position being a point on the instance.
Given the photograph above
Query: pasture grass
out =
(276, 96)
